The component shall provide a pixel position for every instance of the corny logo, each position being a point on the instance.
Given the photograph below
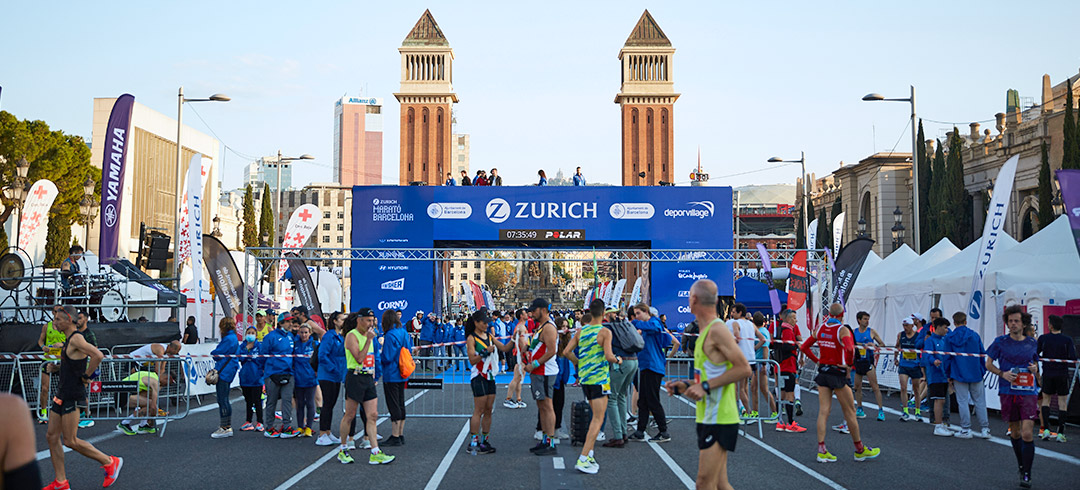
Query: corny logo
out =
(400, 304)
(697, 209)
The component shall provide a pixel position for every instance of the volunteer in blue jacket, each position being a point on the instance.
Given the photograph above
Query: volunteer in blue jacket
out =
(428, 330)
(306, 381)
(226, 365)
(331, 374)
(651, 363)
(966, 374)
(936, 377)
(395, 339)
(251, 380)
(458, 337)
(278, 372)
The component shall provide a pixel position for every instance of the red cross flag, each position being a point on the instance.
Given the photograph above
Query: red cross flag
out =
(35, 219)
(301, 225)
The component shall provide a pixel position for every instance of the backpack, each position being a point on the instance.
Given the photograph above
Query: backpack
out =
(315, 357)
(405, 363)
(778, 350)
(626, 337)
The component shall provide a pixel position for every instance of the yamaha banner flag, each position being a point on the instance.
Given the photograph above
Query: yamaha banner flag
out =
(304, 288)
(766, 266)
(117, 135)
(1070, 195)
(848, 265)
(992, 229)
(228, 284)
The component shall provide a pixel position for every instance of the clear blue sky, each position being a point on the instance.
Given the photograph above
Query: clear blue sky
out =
(537, 80)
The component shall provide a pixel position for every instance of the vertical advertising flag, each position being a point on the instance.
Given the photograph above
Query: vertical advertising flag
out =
(766, 267)
(305, 288)
(34, 220)
(848, 265)
(190, 179)
(301, 224)
(635, 294)
(837, 233)
(798, 283)
(467, 294)
(811, 235)
(195, 236)
(1070, 194)
(228, 284)
(117, 134)
(620, 287)
(992, 229)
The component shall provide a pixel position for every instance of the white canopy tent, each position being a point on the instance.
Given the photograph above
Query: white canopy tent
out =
(868, 294)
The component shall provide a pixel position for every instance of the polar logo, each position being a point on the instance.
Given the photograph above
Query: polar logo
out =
(395, 285)
(975, 307)
(697, 209)
(497, 210)
(400, 304)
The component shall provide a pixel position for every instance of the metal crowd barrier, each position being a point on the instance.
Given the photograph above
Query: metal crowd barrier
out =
(176, 389)
(449, 376)
(8, 370)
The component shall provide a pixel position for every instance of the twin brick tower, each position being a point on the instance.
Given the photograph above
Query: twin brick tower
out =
(646, 98)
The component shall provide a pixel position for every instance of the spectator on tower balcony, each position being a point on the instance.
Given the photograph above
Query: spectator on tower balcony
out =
(495, 179)
(543, 179)
(465, 178)
(480, 179)
(450, 180)
(579, 180)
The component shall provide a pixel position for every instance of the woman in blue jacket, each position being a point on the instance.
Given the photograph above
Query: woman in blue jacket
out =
(226, 365)
(459, 346)
(304, 374)
(251, 380)
(394, 340)
(331, 375)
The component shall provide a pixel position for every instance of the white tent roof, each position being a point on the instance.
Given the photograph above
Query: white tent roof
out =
(1050, 256)
(881, 273)
(915, 277)
(872, 260)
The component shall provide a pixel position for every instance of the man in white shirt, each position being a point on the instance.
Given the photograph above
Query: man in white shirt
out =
(746, 336)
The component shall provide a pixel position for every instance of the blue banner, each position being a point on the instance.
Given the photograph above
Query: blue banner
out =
(117, 134)
(674, 218)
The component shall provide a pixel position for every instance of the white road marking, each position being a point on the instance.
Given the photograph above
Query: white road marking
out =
(558, 463)
(688, 482)
(1065, 458)
(333, 452)
(444, 465)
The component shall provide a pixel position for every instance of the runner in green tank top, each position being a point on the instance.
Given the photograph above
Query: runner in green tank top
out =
(718, 364)
(594, 347)
(50, 341)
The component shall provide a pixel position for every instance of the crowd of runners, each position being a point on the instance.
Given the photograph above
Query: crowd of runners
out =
(618, 358)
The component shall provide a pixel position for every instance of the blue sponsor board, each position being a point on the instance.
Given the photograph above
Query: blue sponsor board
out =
(677, 218)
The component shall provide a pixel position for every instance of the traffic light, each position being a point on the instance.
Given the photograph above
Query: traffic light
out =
(157, 251)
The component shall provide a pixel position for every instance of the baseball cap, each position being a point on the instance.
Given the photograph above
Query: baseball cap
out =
(282, 317)
(260, 313)
(908, 321)
(539, 303)
(653, 311)
(480, 316)
(918, 316)
(365, 312)
(612, 310)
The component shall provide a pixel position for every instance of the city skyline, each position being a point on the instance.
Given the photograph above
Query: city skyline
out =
(560, 71)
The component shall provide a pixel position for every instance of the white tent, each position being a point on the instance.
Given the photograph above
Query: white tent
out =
(868, 294)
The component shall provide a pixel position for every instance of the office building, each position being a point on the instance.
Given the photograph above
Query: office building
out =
(358, 136)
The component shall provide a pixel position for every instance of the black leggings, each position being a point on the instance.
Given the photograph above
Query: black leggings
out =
(330, 391)
(558, 400)
(253, 402)
(649, 401)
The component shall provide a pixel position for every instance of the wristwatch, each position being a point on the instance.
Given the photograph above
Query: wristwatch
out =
(705, 386)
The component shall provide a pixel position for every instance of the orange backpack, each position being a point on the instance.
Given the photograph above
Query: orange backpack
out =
(405, 363)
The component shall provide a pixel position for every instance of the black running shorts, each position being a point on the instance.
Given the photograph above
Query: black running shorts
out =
(787, 381)
(724, 434)
(938, 391)
(360, 387)
(482, 387)
(1055, 385)
(831, 377)
(66, 406)
(593, 392)
(863, 366)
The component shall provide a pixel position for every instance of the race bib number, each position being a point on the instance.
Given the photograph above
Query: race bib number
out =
(910, 356)
(1024, 381)
(862, 352)
(369, 362)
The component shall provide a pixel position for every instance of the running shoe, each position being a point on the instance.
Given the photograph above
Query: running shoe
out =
(86, 424)
(842, 428)
(773, 419)
(147, 429)
(486, 448)
(521, 404)
(660, 437)
(43, 416)
(380, 458)
(860, 413)
(272, 433)
(911, 403)
(392, 441)
(798, 407)
(537, 447)
(509, 404)
(1044, 434)
(867, 453)
(259, 427)
(277, 415)
(826, 457)
(222, 433)
(539, 435)
(546, 450)
(344, 457)
(561, 434)
(637, 436)
(289, 432)
(336, 439)
(306, 432)
(963, 434)
(599, 436)
(753, 414)
(780, 427)
(794, 427)
(632, 419)
(1059, 437)
(940, 430)
(247, 427)
(881, 415)
(472, 448)
(55, 485)
(1025, 480)
(982, 434)
(112, 471)
(584, 466)
(126, 429)
(324, 440)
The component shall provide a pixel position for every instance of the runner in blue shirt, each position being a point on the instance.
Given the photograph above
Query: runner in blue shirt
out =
(1017, 366)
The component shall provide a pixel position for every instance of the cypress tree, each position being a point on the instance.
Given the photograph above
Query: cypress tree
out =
(1070, 158)
(266, 215)
(936, 199)
(800, 233)
(251, 238)
(1044, 193)
(953, 209)
(925, 173)
(58, 241)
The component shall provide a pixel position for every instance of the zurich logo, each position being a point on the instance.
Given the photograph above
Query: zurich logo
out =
(975, 307)
(110, 215)
(375, 202)
(497, 210)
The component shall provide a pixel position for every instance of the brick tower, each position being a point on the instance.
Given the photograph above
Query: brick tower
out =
(426, 93)
(647, 99)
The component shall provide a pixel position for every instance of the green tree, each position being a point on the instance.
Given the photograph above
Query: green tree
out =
(251, 236)
(936, 199)
(955, 224)
(925, 174)
(800, 232)
(1070, 157)
(499, 274)
(3, 238)
(266, 215)
(1044, 192)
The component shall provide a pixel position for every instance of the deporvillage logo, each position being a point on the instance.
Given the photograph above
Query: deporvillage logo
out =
(498, 210)
(697, 209)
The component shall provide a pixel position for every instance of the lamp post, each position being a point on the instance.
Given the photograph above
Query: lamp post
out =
(802, 163)
(18, 191)
(180, 99)
(277, 212)
(862, 226)
(916, 234)
(89, 209)
(217, 228)
(898, 228)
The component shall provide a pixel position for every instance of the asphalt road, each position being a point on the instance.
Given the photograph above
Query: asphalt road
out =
(433, 456)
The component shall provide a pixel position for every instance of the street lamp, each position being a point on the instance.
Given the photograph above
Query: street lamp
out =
(802, 162)
(217, 230)
(180, 99)
(873, 97)
(898, 228)
(277, 212)
(862, 226)
(18, 191)
(89, 209)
